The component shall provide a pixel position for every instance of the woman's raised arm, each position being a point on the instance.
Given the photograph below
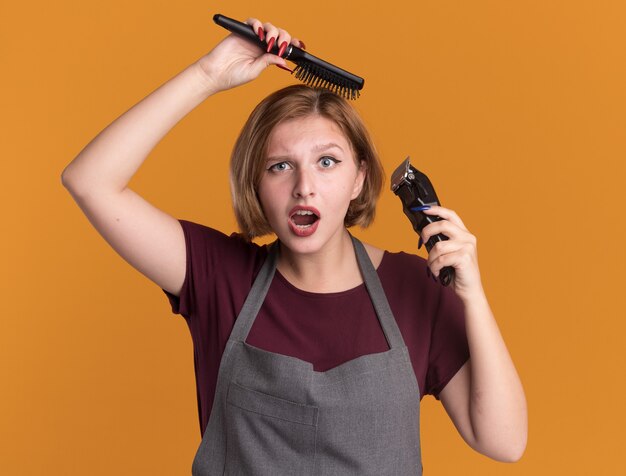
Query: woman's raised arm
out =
(149, 239)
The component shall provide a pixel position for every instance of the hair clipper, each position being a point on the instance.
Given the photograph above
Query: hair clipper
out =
(415, 191)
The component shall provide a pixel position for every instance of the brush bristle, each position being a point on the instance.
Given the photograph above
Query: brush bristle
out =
(317, 77)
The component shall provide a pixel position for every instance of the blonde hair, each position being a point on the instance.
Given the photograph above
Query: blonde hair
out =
(250, 150)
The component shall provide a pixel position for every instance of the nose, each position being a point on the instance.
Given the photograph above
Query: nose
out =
(304, 185)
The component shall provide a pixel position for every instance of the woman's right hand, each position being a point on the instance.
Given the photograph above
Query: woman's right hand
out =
(235, 60)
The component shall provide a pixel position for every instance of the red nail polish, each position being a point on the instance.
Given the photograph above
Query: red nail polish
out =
(270, 45)
(282, 49)
(286, 69)
(261, 33)
(302, 45)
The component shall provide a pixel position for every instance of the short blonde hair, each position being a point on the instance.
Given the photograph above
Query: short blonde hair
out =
(249, 153)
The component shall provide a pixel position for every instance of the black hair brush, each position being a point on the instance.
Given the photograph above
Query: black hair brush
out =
(309, 69)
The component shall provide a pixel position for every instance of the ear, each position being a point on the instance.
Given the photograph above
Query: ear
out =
(359, 180)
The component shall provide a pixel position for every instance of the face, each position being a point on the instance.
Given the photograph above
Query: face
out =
(310, 177)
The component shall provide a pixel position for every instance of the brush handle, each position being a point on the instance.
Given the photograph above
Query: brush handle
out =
(292, 53)
(242, 29)
(247, 32)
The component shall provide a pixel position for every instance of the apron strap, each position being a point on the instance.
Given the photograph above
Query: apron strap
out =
(256, 296)
(377, 295)
(261, 285)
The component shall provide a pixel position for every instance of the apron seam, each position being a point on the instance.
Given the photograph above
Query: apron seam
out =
(271, 416)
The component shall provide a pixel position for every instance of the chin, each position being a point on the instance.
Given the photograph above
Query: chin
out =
(300, 245)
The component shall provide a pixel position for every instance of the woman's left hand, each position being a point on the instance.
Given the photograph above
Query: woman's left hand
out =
(485, 399)
(459, 251)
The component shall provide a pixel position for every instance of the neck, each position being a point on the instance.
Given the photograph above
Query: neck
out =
(331, 269)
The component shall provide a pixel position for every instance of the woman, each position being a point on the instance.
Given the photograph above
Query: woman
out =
(324, 345)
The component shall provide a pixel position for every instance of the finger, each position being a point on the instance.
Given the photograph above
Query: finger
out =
(271, 33)
(443, 248)
(257, 26)
(266, 60)
(462, 258)
(446, 247)
(458, 236)
(286, 68)
(283, 40)
(446, 214)
(451, 230)
(297, 42)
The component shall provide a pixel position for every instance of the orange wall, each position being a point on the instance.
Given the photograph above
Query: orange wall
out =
(516, 110)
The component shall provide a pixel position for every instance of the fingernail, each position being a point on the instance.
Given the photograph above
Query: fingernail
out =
(261, 34)
(420, 243)
(282, 48)
(420, 209)
(302, 45)
(270, 45)
(286, 69)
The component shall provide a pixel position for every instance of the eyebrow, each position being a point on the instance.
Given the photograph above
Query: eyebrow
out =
(330, 145)
(317, 148)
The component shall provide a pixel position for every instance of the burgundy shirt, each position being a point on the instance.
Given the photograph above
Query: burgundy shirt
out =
(324, 329)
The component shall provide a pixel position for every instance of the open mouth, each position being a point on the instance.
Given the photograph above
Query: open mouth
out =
(304, 218)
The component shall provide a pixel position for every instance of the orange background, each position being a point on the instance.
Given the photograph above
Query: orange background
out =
(515, 110)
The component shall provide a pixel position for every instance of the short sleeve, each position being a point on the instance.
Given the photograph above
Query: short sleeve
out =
(218, 267)
(196, 253)
(449, 348)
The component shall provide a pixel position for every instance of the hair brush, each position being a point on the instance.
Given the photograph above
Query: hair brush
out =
(309, 69)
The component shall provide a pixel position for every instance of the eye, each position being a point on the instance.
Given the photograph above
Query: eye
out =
(279, 167)
(327, 162)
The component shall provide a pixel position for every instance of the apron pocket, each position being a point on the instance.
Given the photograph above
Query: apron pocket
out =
(267, 434)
